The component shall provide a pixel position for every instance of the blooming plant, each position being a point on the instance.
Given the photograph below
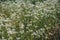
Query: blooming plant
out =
(22, 20)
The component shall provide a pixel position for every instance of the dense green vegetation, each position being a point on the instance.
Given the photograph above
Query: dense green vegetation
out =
(29, 20)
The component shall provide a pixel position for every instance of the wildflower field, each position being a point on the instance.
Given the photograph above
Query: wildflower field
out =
(29, 20)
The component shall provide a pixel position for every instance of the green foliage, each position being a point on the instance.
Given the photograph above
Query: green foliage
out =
(26, 21)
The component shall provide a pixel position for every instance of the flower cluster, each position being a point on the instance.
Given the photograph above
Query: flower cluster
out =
(25, 21)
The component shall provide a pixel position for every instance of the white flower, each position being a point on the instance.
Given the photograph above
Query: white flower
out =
(18, 38)
(3, 38)
(22, 31)
(36, 17)
(21, 25)
(31, 30)
(34, 33)
(10, 32)
(45, 25)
